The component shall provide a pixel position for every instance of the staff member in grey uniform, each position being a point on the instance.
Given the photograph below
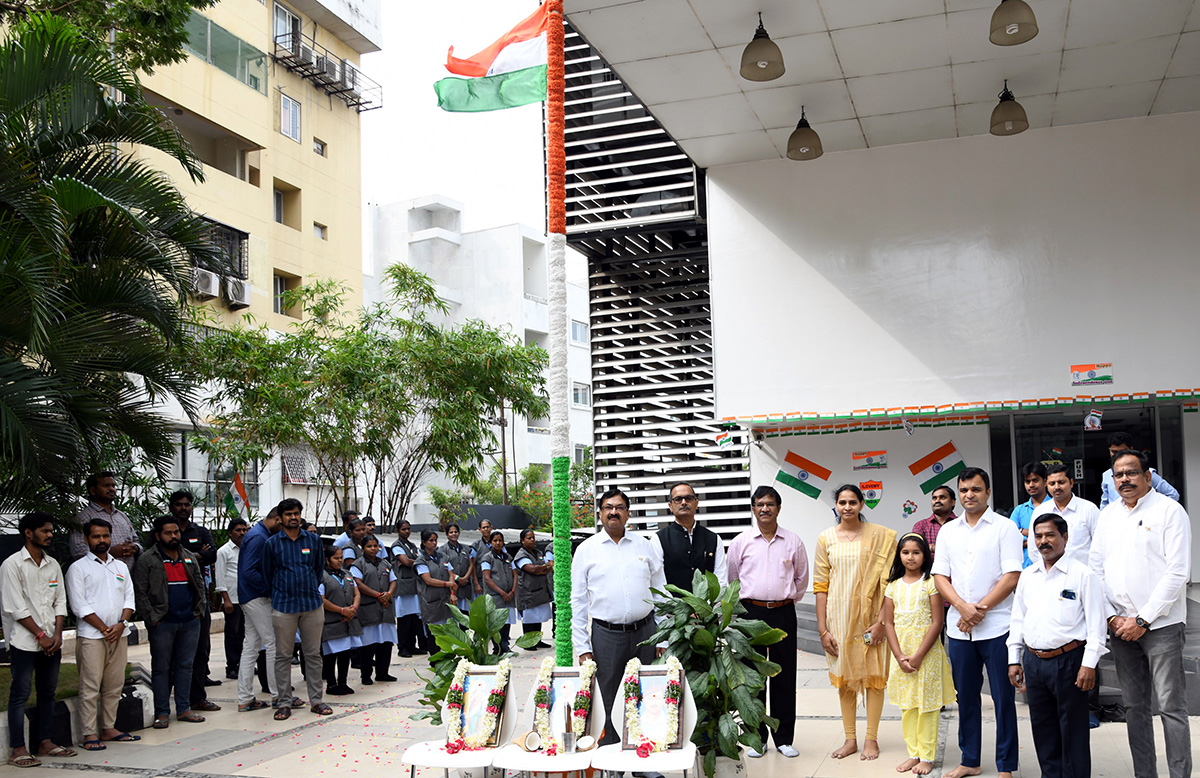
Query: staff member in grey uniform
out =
(462, 564)
(377, 583)
(496, 567)
(408, 605)
(534, 594)
(342, 634)
(435, 582)
(481, 547)
(612, 575)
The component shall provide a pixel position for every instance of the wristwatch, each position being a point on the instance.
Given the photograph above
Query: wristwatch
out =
(1142, 622)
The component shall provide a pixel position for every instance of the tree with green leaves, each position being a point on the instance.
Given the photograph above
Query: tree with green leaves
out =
(144, 34)
(380, 398)
(96, 256)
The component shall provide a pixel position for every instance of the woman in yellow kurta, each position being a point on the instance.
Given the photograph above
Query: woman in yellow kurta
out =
(853, 562)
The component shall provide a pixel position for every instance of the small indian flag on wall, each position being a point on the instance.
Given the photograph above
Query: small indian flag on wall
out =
(937, 467)
(509, 73)
(803, 475)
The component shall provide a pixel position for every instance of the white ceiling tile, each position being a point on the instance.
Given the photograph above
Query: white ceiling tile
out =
(826, 102)
(1097, 105)
(969, 34)
(683, 77)
(643, 30)
(1177, 95)
(722, 115)
(897, 92)
(1096, 22)
(1034, 74)
(835, 136)
(807, 58)
(575, 6)
(970, 5)
(733, 24)
(887, 48)
(1186, 60)
(730, 149)
(909, 127)
(856, 13)
(1127, 62)
(976, 118)
(1193, 22)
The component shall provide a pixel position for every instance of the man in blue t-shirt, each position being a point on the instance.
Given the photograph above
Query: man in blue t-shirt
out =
(1033, 475)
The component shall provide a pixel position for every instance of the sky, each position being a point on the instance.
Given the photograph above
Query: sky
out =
(490, 162)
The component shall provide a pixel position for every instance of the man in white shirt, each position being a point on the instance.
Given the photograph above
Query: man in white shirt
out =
(1081, 515)
(33, 606)
(101, 593)
(976, 569)
(1142, 553)
(1058, 626)
(611, 577)
(1123, 441)
(225, 583)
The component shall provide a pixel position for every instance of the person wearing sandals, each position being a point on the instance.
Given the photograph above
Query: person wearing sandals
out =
(294, 566)
(377, 583)
(101, 595)
(169, 590)
(408, 605)
(462, 564)
(534, 594)
(342, 634)
(435, 582)
(33, 607)
(496, 567)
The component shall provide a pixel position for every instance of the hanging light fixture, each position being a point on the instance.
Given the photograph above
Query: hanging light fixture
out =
(762, 60)
(1012, 23)
(804, 143)
(1008, 117)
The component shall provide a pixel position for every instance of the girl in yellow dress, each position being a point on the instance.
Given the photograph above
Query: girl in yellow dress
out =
(920, 682)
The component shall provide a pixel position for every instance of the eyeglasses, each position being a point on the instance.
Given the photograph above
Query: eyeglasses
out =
(684, 498)
(765, 505)
(1127, 474)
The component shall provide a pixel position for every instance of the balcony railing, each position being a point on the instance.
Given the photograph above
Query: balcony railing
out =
(302, 55)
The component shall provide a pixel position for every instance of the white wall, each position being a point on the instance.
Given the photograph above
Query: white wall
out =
(808, 517)
(957, 270)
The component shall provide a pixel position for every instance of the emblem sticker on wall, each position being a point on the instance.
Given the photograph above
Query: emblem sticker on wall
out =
(872, 492)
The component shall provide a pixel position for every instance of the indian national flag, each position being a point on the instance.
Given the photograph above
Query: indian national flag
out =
(509, 73)
(803, 475)
(235, 499)
(937, 467)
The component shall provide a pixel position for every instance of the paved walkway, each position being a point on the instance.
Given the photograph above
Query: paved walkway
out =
(369, 731)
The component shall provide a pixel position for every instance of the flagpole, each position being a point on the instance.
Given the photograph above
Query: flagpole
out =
(556, 229)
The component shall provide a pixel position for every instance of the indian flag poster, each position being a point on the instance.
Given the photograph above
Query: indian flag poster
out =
(1095, 373)
(236, 501)
(508, 73)
(869, 460)
(872, 492)
(937, 467)
(803, 475)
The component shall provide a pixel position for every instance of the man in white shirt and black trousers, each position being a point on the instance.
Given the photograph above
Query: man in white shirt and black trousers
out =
(612, 573)
(1142, 553)
(1054, 642)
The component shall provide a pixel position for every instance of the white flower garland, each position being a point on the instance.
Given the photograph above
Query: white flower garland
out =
(541, 701)
(454, 701)
(632, 688)
(582, 704)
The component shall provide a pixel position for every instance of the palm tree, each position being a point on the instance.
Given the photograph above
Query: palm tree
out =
(96, 257)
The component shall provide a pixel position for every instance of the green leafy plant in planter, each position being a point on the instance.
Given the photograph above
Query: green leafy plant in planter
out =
(718, 649)
(466, 636)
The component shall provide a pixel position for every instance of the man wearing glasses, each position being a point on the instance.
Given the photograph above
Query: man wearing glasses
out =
(686, 546)
(1142, 553)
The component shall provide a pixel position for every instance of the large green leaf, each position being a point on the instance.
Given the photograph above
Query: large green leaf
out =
(528, 639)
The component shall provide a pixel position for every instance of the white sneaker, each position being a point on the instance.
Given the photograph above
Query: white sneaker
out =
(750, 752)
(788, 751)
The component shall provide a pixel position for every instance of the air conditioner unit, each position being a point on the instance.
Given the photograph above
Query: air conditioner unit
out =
(350, 77)
(328, 66)
(308, 56)
(206, 284)
(239, 294)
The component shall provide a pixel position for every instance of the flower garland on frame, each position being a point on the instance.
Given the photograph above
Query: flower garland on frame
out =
(455, 741)
(541, 701)
(583, 698)
(633, 697)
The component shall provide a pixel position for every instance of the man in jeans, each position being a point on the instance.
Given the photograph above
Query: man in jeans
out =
(169, 590)
(34, 607)
(293, 564)
(254, 596)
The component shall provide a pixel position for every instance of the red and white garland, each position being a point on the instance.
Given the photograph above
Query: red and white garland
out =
(455, 741)
(633, 698)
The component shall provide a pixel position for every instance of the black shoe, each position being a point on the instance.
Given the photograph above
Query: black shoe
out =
(211, 682)
(384, 677)
(367, 680)
(231, 675)
(295, 660)
(540, 644)
(406, 654)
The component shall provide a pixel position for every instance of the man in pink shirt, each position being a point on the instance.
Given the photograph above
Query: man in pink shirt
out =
(772, 565)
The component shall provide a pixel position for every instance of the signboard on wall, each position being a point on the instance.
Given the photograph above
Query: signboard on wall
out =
(1092, 374)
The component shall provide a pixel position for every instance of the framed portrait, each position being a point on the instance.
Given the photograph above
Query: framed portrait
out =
(477, 687)
(652, 711)
(564, 685)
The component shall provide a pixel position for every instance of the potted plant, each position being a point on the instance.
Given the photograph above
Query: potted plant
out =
(466, 636)
(718, 649)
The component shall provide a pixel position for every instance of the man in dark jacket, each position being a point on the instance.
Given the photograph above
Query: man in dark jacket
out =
(169, 590)
(686, 545)
(199, 541)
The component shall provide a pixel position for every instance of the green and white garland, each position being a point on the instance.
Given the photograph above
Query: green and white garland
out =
(633, 697)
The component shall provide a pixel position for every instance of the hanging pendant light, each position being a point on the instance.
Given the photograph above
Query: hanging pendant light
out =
(804, 143)
(1012, 23)
(1008, 117)
(762, 60)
